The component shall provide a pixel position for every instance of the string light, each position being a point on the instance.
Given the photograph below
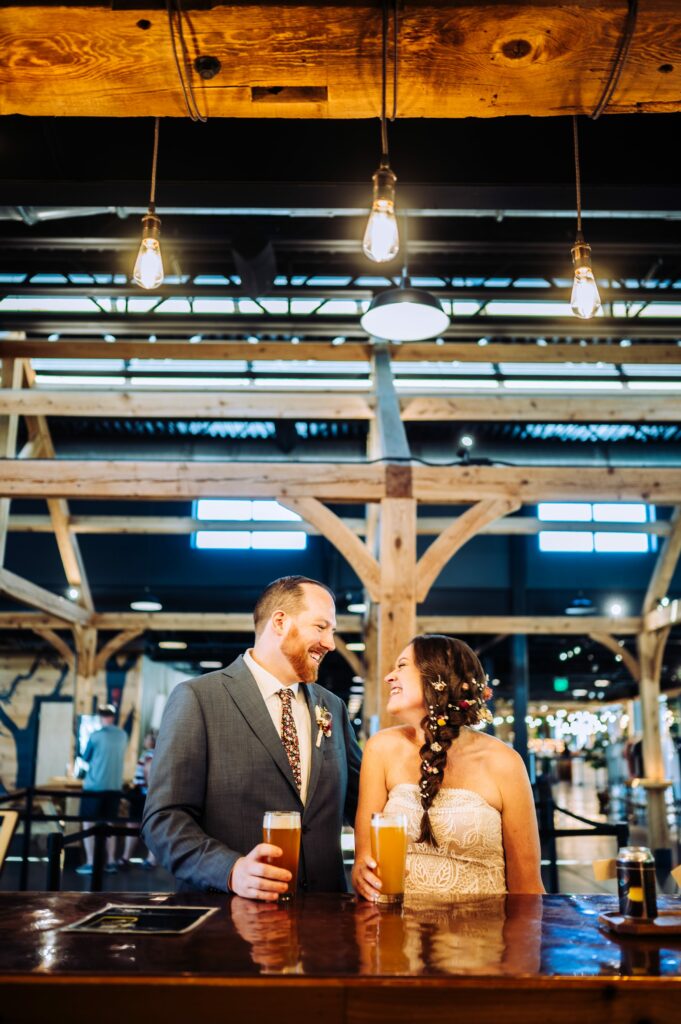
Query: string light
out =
(381, 238)
(585, 300)
(148, 272)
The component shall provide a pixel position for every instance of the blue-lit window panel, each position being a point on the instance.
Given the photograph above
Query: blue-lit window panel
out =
(620, 512)
(49, 279)
(302, 307)
(564, 511)
(232, 509)
(176, 279)
(298, 280)
(314, 366)
(627, 308)
(174, 306)
(272, 510)
(436, 383)
(296, 383)
(557, 369)
(207, 383)
(662, 309)
(47, 304)
(498, 282)
(275, 306)
(67, 380)
(189, 366)
(428, 282)
(12, 278)
(214, 305)
(656, 385)
(81, 279)
(566, 541)
(531, 282)
(565, 384)
(328, 282)
(75, 365)
(276, 540)
(621, 543)
(212, 279)
(236, 279)
(141, 305)
(460, 369)
(373, 282)
(222, 540)
(652, 369)
(250, 307)
(461, 307)
(117, 279)
(280, 281)
(339, 307)
(518, 307)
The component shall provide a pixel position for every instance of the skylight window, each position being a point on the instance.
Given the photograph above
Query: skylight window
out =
(598, 541)
(239, 510)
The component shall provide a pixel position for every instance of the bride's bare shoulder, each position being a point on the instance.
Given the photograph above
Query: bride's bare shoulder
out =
(389, 739)
(492, 748)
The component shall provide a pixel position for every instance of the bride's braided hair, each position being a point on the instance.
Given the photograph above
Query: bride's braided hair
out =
(455, 691)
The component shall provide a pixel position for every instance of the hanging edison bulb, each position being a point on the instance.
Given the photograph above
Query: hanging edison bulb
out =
(585, 300)
(148, 272)
(382, 239)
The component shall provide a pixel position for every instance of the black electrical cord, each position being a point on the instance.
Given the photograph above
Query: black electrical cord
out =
(578, 174)
(385, 160)
(175, 8)
(619, 61)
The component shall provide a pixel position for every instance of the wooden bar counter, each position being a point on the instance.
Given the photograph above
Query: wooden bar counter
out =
(331, 959)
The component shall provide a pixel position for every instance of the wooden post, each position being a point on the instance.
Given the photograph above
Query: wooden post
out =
(132, 702)
(12, 375)
(397, 609)
(86, 651)
(651, 645)
(650, 651)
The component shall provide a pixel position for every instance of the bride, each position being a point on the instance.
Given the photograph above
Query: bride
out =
(466, 795)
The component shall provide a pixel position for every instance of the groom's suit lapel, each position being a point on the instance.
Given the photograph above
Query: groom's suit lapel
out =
(244, 691)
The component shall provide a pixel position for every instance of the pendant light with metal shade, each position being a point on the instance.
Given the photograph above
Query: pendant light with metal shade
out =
(405, 313)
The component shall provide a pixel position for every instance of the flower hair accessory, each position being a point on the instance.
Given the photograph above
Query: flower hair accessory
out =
(324, 720)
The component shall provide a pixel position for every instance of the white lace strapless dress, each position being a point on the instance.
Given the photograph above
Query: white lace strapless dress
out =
(468, 862)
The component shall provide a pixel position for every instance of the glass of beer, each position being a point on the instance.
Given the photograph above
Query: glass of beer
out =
(282, 829)
(389, 850)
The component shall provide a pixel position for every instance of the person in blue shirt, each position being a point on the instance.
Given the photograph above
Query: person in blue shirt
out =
(105, 755)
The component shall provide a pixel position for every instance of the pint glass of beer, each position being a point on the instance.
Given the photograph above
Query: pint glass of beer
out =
(282, 829)
(389, 850)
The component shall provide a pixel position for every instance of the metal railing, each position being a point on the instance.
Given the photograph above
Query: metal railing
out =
(29, 816)
(548, 833)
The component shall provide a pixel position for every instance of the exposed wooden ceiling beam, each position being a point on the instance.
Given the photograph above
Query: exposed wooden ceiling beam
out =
(426, 526)
(465, 625)
(348, 482)
(237, 404)
(179, 327)
(24, 591)
(541, 625)
(287, 60)
(359, 351)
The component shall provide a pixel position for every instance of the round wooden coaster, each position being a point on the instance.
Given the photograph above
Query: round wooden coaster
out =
(667, 922)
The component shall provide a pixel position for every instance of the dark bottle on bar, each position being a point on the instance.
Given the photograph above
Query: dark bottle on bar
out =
(636, 883)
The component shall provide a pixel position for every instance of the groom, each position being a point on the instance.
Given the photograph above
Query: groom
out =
(220, 761)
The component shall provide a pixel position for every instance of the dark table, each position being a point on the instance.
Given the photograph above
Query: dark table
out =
(331, 959)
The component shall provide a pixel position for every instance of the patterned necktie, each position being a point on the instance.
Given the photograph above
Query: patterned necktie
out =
(289, 735)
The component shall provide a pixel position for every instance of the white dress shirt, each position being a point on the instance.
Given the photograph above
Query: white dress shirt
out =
(269, 687)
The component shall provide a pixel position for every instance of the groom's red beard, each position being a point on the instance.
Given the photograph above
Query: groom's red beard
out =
(298, 654)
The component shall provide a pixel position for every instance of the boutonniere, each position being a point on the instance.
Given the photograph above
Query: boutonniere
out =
(324, 720)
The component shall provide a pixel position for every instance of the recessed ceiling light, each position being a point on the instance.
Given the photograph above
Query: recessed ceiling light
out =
(210, 664)
(357, 609)
(172, 645)
(147, 605)
(355, 646)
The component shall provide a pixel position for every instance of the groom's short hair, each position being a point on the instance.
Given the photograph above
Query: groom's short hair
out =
(286, 593)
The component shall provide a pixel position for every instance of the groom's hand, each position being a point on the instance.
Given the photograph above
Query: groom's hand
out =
(255, 879)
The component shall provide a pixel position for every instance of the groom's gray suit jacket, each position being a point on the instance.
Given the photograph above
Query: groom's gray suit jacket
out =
(220, 764)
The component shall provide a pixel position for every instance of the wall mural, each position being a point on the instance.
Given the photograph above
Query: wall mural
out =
(22, 685)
